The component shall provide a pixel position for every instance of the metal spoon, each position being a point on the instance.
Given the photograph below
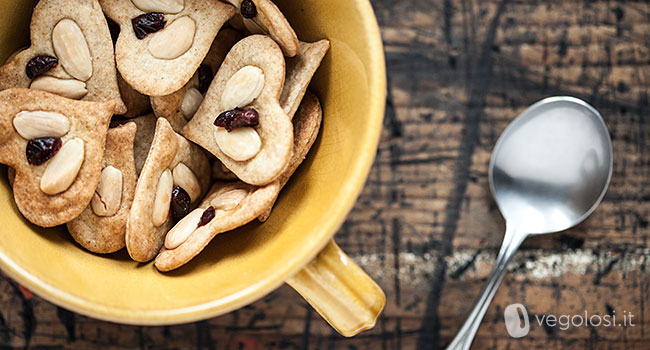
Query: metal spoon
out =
(549, 170)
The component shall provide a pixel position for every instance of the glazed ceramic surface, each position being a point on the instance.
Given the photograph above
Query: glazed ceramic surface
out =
(239, 267)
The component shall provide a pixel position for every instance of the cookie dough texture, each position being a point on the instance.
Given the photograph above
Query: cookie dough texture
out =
(168, 149)
(159, 77)
(102, 85)
(270, 21)
(88, 121)
(136, 103)
(169, 107)
(143, 139)
(146, 128)
(105, 234)
(253, 205)
(300, 71)
(306, 125)
(275, 128)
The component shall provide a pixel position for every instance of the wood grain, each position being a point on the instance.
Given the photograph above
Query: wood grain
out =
(425, 226)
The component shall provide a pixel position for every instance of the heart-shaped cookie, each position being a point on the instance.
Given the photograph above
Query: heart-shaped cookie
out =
(56, 146)
(228, 205)
(102, 225)
(71, 54)
(173, 180)
(251, 135)
(162, 43)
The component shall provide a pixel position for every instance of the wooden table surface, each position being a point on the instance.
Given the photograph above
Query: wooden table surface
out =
(425, 226)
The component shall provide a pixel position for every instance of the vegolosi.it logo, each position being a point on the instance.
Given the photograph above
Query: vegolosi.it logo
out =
(518, 323)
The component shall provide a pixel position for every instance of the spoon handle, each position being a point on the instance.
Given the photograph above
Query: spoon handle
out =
(511, 241)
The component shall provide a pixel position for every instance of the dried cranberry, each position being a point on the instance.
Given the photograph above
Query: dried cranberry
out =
(205, 78)
(248, 117)
(148, 23)
(42, 149)
(207, 216)
(225, 119)
(237, 118)
(248, 9)
(39, 65)
(180, 205)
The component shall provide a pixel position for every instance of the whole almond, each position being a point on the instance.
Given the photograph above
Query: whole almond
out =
(35, 124)
(240, 144)
(164, 6)
(108, 195)
(185, 178)
(63, 168)
(70, 88)
(183, 229)
(71, 48)
(229, 200)
(242, 88)
(163, 198)
(191, 102)
(173, 41)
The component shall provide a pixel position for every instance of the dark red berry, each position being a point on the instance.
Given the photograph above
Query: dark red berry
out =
(248, 9)
(225, 119)
(39, 65)
(237, 118)
(207, 216)
(148, 23)
(248, 117)
(180, 204)
(205, 78)
(42, 149)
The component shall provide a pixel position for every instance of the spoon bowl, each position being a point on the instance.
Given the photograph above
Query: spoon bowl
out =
(551, 166)
(549, 171)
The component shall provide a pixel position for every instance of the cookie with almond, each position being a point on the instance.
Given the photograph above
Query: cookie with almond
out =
(56, 146)
(228, 205)
(173, 180)
(162, 43)
(101, 227)
(241, 121)
(71, 54)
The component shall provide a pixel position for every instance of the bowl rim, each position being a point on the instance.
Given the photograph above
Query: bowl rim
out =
(352, 189)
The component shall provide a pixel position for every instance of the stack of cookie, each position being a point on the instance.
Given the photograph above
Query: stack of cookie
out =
(156, 124)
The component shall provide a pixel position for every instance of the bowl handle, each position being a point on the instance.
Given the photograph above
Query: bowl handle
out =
(340, 291)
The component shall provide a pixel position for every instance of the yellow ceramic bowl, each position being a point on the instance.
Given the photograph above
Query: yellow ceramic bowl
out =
(242, 266)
